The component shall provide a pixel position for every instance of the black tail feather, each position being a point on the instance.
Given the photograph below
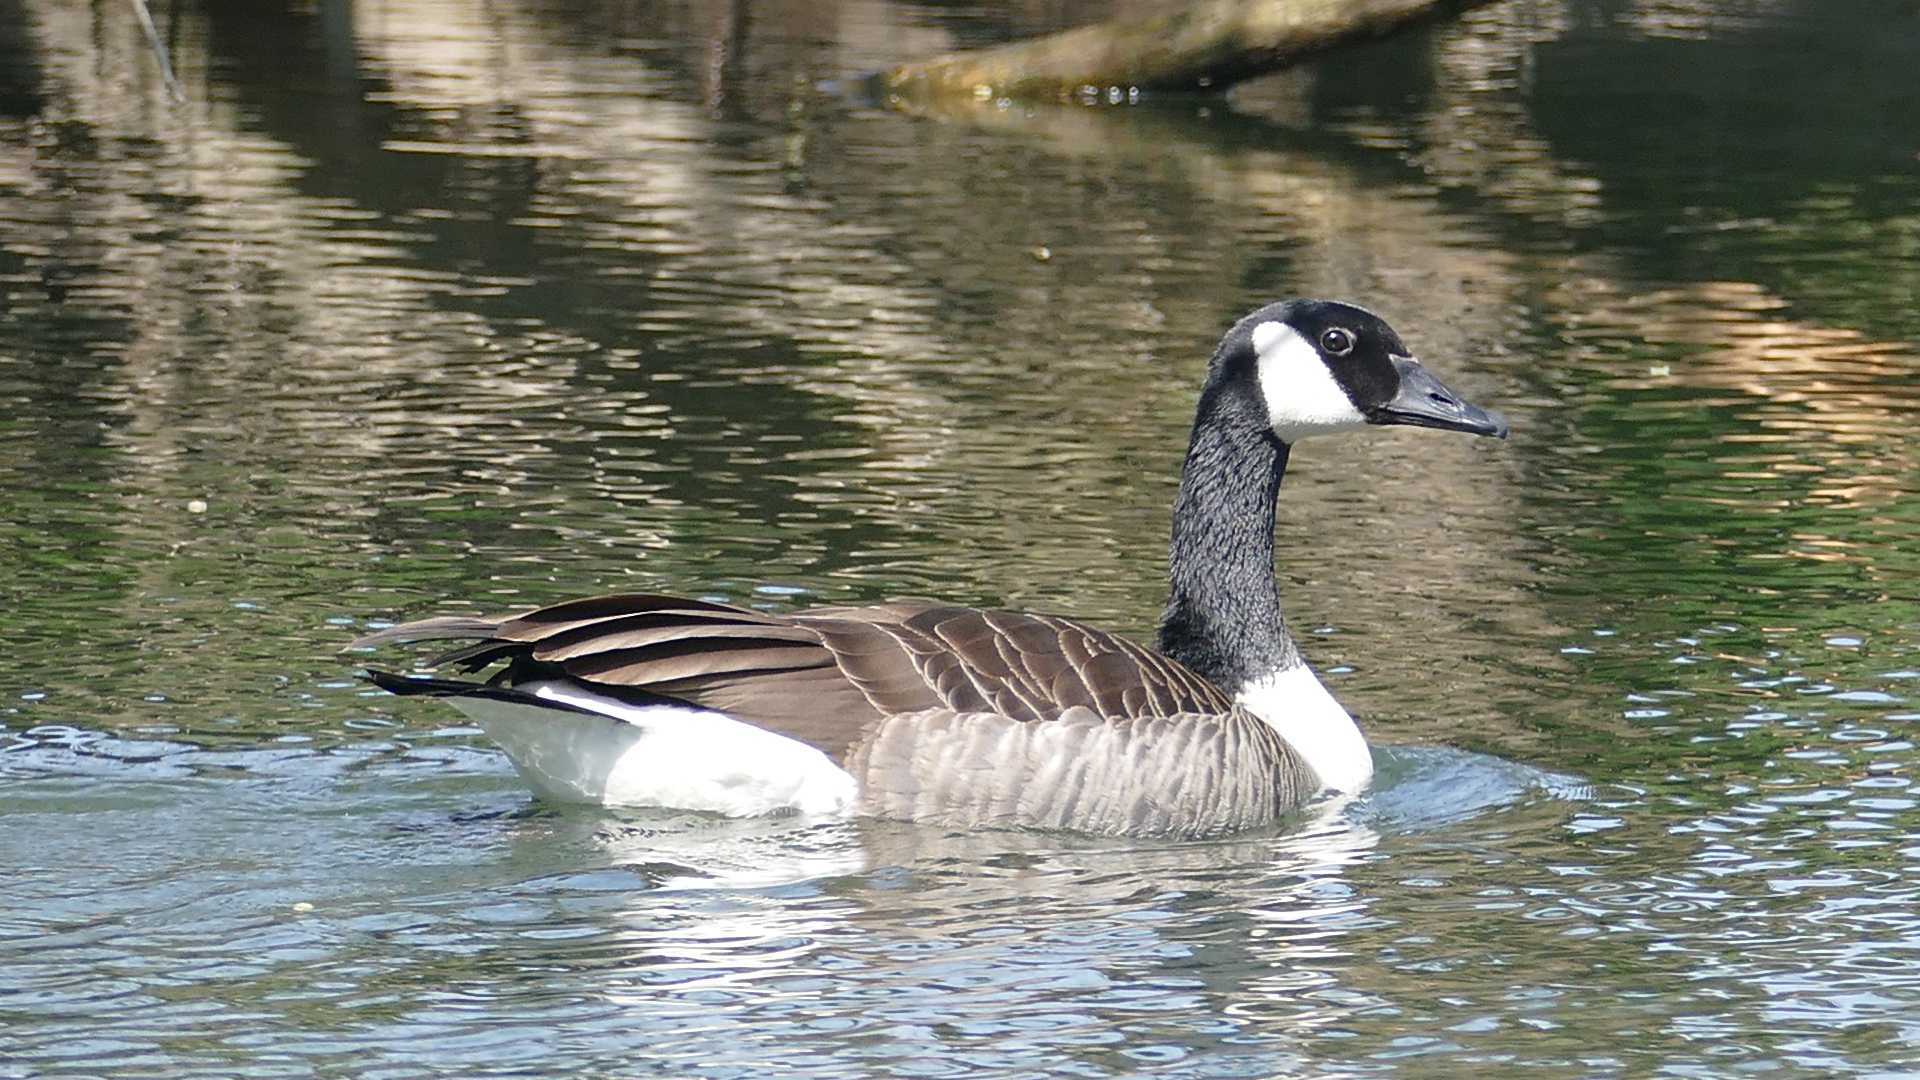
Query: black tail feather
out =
(421, 686)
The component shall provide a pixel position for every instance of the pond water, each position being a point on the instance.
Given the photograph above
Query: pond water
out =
(411, 307)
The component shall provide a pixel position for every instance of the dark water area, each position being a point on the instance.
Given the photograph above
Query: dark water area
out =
(409, 307)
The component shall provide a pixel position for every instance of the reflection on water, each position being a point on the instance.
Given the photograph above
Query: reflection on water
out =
(1003, 950)
(421, 307)
(1791, 437)
(1827, 401)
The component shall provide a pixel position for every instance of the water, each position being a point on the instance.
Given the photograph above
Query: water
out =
(414, 308)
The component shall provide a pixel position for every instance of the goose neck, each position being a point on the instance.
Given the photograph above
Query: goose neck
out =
(1223, 618)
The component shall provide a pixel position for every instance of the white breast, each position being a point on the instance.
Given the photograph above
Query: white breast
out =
(658, 755)
(1293, 701)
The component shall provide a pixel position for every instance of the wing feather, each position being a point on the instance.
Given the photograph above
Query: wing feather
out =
(832, 676)
(441, 628)
(573, 614)
(687, 661)
(655, 631)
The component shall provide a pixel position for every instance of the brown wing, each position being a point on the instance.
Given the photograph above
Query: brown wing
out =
(1034, 667)
(829, 676)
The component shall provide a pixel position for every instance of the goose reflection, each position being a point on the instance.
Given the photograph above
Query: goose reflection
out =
(809, 933)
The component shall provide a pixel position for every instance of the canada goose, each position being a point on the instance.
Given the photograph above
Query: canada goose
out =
(959, 716)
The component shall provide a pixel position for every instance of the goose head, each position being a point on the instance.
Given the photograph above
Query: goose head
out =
(1319, 366)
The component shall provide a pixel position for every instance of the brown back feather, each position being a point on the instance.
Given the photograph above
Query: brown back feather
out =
(829, 676)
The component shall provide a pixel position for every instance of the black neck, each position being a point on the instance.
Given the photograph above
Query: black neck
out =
(1223, 615)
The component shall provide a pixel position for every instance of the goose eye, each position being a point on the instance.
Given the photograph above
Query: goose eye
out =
(1337, 342)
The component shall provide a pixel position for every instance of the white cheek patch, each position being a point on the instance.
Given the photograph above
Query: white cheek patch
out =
(1302, 396)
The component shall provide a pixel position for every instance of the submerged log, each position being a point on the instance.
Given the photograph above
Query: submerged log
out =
(1208, 45)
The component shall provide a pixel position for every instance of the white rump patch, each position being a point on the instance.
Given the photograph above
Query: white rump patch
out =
(1303, 398)
(657, 755)
(1295, 703)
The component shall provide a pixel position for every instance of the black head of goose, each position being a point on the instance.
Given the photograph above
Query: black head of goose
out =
(959, 716)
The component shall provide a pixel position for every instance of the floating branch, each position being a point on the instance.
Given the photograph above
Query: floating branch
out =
(1206, 46)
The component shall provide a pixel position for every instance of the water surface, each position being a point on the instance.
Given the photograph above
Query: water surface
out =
(413, 308)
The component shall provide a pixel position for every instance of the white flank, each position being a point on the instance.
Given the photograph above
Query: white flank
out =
(1294, 703)
(658, 755)
(1303, 397)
